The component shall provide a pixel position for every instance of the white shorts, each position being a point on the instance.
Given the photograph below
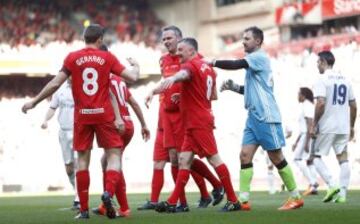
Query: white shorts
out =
(324, 142)
(66, 143)
(299, 152)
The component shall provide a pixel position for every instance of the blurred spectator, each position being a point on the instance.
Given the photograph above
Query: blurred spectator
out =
(28, 22)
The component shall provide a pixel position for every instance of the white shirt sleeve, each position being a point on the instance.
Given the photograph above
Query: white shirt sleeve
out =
(54, 104)
(319, 88)
(309, 109)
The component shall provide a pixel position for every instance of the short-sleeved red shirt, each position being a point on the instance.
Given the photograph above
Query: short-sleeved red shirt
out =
(196, 94)
(90, 70)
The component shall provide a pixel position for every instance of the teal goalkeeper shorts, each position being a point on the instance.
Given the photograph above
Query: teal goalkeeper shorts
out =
(269, 136)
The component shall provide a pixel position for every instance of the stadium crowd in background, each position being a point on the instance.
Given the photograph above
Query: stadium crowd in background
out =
(41, 22)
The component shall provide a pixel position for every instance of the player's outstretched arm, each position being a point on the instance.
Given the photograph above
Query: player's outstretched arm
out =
(180, 76)
(49, 114)
(230, 64)
(230, 85)
(139, 114)
(49, 89)
(131, 75)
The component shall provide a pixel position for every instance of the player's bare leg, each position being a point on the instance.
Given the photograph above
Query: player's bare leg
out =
(295, 201)
(83, 182)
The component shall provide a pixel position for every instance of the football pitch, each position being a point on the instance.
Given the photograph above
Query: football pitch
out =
(54, 209)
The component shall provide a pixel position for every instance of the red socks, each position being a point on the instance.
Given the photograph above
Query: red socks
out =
(200, 182)
(121, 193)
(174, 173)
(181, 181)
(156, 185)
(200, 167)
(82, 185)
(224, 175)
(112, 178)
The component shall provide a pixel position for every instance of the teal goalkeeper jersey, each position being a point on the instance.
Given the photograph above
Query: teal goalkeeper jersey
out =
(259, 96)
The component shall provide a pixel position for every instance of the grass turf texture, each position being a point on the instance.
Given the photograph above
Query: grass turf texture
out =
(49, 209)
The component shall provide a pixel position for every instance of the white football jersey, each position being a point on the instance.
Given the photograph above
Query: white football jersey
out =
(337, 91)
(307, 111)
(63, 99)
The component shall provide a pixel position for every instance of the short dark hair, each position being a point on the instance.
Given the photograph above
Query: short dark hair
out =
(175, 29)
(328, 57)
(92, 33)
(307, 93)
(103, 47)
(190, 41)
(257, 33)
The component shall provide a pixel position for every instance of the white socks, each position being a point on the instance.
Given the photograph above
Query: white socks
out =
(344, 177)
(324, 172)
(305, 171)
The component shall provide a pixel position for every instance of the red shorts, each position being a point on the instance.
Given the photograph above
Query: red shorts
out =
(160, 153)
(129, 133)
(173, 130)
(200, 141)
(107, 136)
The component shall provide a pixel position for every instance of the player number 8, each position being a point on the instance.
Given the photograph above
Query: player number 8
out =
(90, 85)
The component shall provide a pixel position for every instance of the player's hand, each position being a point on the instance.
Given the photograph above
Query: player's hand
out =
(167, 83)
(132, 61)
(148, 99)
(227, 85)
(27, 106)
(312, 131)
(175, 98)
(145, 133)
(120, 125)
(44, 125)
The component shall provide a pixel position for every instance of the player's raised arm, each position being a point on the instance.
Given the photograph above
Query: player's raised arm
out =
(48, 90)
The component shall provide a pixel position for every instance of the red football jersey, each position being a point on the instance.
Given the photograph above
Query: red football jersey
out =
(196, 94)
(122, 93)
(170, 64)
(90, 70)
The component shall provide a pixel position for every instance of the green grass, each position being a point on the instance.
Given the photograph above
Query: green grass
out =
(48, 209)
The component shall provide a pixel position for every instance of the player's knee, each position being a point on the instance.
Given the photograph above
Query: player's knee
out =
(159, 165)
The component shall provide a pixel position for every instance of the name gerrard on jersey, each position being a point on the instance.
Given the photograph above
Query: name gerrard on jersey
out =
(92, 58)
